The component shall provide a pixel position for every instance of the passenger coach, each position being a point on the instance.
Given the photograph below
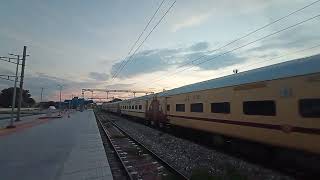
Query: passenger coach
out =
(277, 105)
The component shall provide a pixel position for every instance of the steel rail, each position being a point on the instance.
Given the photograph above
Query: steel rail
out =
(165, 163)
(113, 147)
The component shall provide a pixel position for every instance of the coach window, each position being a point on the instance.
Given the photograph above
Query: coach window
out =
(309, 108)
(136, 107)
(140, 106)
(132, 107)
(263, 108)
(180, 107)
(220, 107)
(196, 107)
(168, 107)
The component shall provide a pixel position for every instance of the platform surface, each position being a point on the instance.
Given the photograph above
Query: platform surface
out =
(65, 148)
(4, 122)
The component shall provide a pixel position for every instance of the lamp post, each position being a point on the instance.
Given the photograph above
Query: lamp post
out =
(41, 94)
(11, 125)
(60, 86)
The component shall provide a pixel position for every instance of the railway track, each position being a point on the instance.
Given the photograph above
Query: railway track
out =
(285, 163)
(137, 160)
(118, 171)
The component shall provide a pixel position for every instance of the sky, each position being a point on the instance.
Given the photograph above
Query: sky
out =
(81, 44)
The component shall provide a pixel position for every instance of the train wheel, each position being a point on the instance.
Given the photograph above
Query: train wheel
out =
(161, 126)
(218, 141)
(146, 122)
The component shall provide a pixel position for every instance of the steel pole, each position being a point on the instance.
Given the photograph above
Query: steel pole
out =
(11, 125)
(41, 94)
(60, 101)
(21, 81)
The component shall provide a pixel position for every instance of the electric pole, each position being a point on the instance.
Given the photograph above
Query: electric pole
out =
(41, 94)
(11, 125)
(21, 81)
(60, 86)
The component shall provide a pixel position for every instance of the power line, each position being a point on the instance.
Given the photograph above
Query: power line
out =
(239, 47)
(274, 58)
(252, 32)
(274, 33)
(287, 54)
(7, 75)
(8, 59)
(135, 43)
(267, 60)
(126, 62)
(7, 79)
(248, 34)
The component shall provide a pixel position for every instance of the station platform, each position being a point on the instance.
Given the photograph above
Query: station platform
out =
(60, 149)
(24, 119)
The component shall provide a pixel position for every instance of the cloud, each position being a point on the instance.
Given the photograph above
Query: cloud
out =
(34, 82)
(220, 62)
(98, 76)
(119, 86)
(302, 37)
(199, 46)
(151, 61)
(144, 62)
(191, 21)
(5, 83)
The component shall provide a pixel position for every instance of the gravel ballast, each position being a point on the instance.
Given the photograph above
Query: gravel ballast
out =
(187, 156)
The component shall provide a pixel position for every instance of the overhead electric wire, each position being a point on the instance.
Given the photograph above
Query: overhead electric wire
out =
(8, 59)
(126, 62)
(277, 57)
(135, 43)
(271, 59)
(154, 14)
(239, 47)
(252, 32)
(248, 34)
(6, 79)
(277, 32)
(290, 53)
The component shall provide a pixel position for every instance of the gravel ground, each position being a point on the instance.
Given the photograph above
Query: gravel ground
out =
(187, 156)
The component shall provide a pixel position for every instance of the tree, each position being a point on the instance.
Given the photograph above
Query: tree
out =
(7, 94)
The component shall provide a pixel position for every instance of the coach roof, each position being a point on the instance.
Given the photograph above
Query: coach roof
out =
(307, 65)
(297, 67)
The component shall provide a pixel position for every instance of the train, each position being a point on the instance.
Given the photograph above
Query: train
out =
(276, 105)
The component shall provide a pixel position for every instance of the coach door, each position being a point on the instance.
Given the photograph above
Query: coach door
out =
(155, 110)
(165, 105)
(146, 109)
